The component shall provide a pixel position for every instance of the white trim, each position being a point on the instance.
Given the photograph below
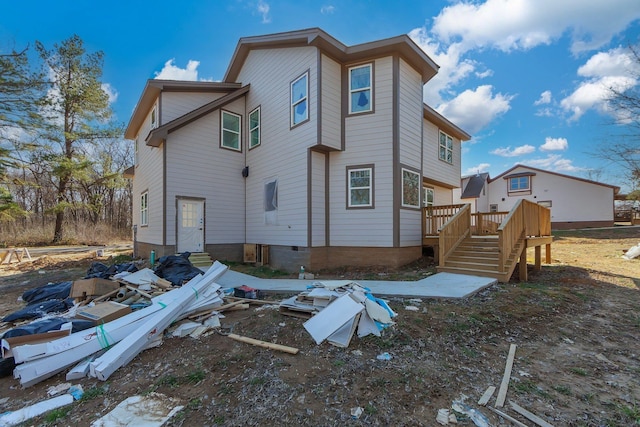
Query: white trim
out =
(144, 208)
(368, 187)
(406, 205)
(255, 128)
(362, 89)
(232, 131)
(154, 117)
(447, 149)
(295, 103)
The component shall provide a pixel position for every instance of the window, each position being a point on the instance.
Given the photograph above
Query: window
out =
(254, 128)
(230, 131)
(154, 117)
(360, 187)
(519, 183)
(299, 100)
(493, 208)
(271, 202)
(446, 148)
(144, 208)
(360, 89)
(410, 189)
(427, 196)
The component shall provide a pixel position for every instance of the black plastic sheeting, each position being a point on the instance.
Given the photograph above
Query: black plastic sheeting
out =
(176, 268)
(51, 291)
(103, 271)
(46, 325)
(35, 311)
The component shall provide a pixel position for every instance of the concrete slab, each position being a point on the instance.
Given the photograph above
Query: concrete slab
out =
(440, 285)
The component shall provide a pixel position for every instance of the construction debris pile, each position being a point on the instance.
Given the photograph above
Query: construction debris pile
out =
(337, 309)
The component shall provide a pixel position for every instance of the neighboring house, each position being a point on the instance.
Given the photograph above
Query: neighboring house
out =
(574, 202)
(322, 154)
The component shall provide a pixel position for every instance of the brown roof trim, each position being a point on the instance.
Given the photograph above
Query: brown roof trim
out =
(129, 172)
(152, 90)
(517, 175)
(159, 134)
(615, 188)
(402, 44)
(443, 123)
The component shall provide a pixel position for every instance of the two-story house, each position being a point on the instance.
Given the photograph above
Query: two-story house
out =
(323, 153)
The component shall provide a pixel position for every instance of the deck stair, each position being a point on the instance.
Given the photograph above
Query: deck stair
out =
(200, 259)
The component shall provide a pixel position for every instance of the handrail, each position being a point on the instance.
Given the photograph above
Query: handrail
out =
(510, 232)
(482, 223)
(453, 232)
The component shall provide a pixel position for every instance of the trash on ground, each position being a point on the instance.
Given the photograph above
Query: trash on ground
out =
(49, 291)
(21, 415)
(632, 253)
(177, 269)
(149, 410)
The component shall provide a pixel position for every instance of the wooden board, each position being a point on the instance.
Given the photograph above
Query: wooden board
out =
(486, 396)
(502, 393)
(529, 415)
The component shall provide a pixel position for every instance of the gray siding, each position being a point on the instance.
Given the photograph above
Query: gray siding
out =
(176, 104)
(198, 167)
(318, 208)
(435, 168)
(331, 103)
(283, 153)
(368, 140)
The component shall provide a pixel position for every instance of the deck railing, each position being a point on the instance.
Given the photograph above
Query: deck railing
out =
(453, 232)
(510, 233)
(481, 222)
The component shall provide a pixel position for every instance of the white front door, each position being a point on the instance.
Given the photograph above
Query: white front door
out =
(190, 225)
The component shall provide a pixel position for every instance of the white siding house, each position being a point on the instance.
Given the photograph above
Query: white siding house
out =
(322, 152)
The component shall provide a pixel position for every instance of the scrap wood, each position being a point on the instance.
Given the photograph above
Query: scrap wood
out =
(286, 311)
(507, 417)
(163, 283)
(259, 343)
(529, 415)
(486, 396)
(211, 312)
(141, 292)
(502, 393)
(237, 307)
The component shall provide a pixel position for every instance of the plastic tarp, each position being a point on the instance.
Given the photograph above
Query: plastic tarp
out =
(50, 291)
(103, 271)
(46, 325)
(35, 311)
(177, 268)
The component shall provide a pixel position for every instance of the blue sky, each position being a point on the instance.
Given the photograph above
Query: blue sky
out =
(527, 78)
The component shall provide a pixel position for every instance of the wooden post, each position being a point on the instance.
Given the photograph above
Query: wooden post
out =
(523, 265)
(538, 250)
(548, 253)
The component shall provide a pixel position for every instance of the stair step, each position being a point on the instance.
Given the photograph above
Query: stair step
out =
(473, 257)
(472, 272)
(472, 265)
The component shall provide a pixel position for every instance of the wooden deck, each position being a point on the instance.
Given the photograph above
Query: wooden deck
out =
(487, 244)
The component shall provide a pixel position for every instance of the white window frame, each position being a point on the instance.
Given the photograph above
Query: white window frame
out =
(237, 132)
(493, 207)
(154, 117)
(519, 180)
(350, 188)
(362, 89)
(425, 197)
(144, 208)
(296, 102)
(255, 129)
(447, 150)
(270, 207)
(406, 204)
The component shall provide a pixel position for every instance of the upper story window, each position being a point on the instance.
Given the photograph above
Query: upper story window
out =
(360, 89)
(300, 99)
(144, 208)
(154, 117)
(520, 183)
(445, 148)
(254, 128)
(360, 187)
(230, 129)
(410, 189)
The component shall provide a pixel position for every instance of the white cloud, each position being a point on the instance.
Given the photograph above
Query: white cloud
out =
(111, 92)
(518, 151)
(172, 72)
(545, 98)
(327, 9)
(554, 144)
(480, 168)
(554, 162)
(474, 109)
(263, 9)
(615, 62)
(593, 94)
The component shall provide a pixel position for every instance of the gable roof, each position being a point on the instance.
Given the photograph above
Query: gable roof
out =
(443, 123)
(504, 174)
(152, 90)
(159, 134)
(403, 44)
(474, 186)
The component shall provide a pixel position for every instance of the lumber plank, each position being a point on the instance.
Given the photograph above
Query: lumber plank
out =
(507, 417)
(529, 415)
(502, 393)
(251, 301)
(259, 343)
(141, 292)
(486, 396)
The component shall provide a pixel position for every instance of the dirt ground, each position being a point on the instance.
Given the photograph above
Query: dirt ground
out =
(576, 324)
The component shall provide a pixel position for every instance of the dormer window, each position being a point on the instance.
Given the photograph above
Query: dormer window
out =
(360, 89)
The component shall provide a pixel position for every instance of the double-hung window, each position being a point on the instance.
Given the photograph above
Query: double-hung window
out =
(446, 148)
(428, 195)
(360, 89)
(144, 208)
(300, 100)
(360, 187)
(410, 189)
(254, 128)
(154, 117)
(230, 129)
(519, 183)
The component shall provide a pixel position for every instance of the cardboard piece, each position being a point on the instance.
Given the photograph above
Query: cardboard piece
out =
(104, 312)
(332, 318)
(89, 287)
(9, 343)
